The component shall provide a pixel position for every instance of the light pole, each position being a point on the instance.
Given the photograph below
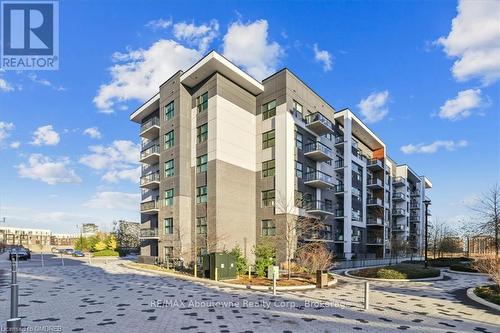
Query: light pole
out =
(427, 202)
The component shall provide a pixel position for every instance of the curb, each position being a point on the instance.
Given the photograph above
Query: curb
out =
(475, 298)
(225, 284)
(465, 273)
(437, 278)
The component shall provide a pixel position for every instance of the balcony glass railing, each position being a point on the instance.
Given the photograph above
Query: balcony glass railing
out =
(339, 213)
(313, 146)
(155, 121)
(318, 205)
(374, 201)
(376, 162)
(338, 188)
(149, 205)
(398, 211)
(151, 150)
(150, 177)
(317, 116)
(339, 139)
(318, 175)
(375, 181)
(153, 232)
(399, 195)
(338, 164)
(374, 220)
(398, 180)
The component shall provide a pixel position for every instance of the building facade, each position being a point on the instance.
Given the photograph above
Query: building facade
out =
(24, 236)
(228, 160)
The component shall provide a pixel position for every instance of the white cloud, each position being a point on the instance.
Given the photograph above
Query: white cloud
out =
(474, 40)
(15, 144)
(120, 154)
(114, 176)
(159, 24)
(199, 35)
(324, 57)
(5, 86)
(44, 82)
(142, 71)
(247, 45)
(47, 170)
(433, 147)
(374, 107)
(45, 135)
(460, 107)
(93, 132)
(5, 129)
(114, 200)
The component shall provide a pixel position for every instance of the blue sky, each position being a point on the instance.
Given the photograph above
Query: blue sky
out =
(430, 90)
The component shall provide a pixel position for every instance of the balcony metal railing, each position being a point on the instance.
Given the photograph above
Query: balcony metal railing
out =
(415, 193)
(339, 139)
(398, 196)
(374, 221)
(149, 151)
(339, 213)
(155, 121)
(355, 238)
(398, 211)
(313, 146)
(145, 233)
(318, 205)
(399, 227)
(398, 181)
(339, 188)
(377, 240)
(375, 163)
(338, 164)
(375, 182)
(318, 175)
(150, 177)
(374, 201)
(318, 117)
(414, 205)
(149, 205)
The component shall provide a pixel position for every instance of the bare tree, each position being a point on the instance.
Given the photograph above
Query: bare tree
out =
(487, 209)
(489, 266)
(314, 256)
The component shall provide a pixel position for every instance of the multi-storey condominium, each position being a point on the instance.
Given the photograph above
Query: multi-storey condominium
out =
(228, 159)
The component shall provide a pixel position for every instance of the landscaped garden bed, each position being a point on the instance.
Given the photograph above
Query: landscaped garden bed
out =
(397, 272)
(489, 293)
(464, 267)
(295, 280)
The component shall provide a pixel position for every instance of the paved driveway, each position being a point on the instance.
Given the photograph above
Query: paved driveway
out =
(111, 298)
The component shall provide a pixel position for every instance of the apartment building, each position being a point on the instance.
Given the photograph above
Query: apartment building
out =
(228, 160)
(24, 236)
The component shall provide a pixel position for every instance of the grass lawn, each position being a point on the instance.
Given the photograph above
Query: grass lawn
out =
(105, 253)
(400, 271)
(490, 293)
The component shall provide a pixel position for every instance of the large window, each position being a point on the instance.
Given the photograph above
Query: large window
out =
(169, 139)
(169, 226)
(268, 139)
(201, 194)
(268, 168)
(169, 197)
(297, 107)
(202, 133)
(298, 169)
(169, 168)
(268, 228)
(268, 198)
(169, 111)
(269, 110)
(298, 140)
(201, 225)
(201, 163)
(202, 102)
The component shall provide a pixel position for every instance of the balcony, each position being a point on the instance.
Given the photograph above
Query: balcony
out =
(319, 208)
(151, 128)
(414, 205)
(399, 228)
(319, 124)
(398, 212)
(415, 193)
(338, 189)
(339, 214)
(318, 179)
(150, 207)
(375, 164)
(339, 142)
(398, 196)
(375, 241)
(374, 202)
(149, 233)
(374, 221)
(339, 238)
(375, 183)
(414, 219)
(399, 181)
(338, 164)
(318, 151)
(151, 180)
(355, 238)
(150, 155)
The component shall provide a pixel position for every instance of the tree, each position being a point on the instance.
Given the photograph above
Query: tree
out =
(314, 256)
(127, 234)
(265, 256)
(111, 243)
(241, 261)
(399, 246)
(489, 266)
(100, 245)
(487, 209)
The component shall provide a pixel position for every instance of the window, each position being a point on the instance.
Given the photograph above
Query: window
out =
(169, 168)
(201, 194)
(202, 133)
(201, 225)
(298, 169)
(169, 252)
(268, 198)
(328, 232)
(169, 226)
(202, 102)
(299, 199)
(169, 140)
(169, 197)
(268, 168)
(201, 163)
(268, 228)
(268, 139)
(298, 140)
(297, 107)
(269, 110)
(169, 111)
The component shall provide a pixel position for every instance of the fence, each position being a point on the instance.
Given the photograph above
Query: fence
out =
(370, 262)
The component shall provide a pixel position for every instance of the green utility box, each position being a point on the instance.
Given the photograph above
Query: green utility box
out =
(225, 264)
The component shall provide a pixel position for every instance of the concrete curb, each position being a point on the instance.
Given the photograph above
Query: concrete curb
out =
(225, 284)
(475, 298)
(437, 278)
(465, 273)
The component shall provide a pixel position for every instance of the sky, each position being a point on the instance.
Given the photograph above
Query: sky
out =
(424, 76)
